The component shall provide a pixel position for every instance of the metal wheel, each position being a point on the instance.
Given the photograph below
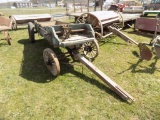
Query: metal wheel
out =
(31, 32)
(90, 49)
(51, 61)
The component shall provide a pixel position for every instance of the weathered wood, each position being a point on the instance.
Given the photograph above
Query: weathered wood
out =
(72, 31)
(115, 87)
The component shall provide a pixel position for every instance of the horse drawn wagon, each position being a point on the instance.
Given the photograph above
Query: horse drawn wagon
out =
(75, 38)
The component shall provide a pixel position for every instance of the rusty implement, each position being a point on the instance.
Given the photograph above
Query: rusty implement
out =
(24, 19)
(101, 20)
(145, 52)
(146, 24)
(5, 25)
(79, 40)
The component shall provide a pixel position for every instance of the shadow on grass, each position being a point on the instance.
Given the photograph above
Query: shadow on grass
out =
(143, 69)
(68, 68)
(109, 40)
(34, 69)
(141, 33)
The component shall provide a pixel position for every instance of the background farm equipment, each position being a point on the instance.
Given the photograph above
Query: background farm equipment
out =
(77, 39)
(101, 20)
(146, 24)
(116, 7)
(145, 52)
(24, 19)
(133, 9)
(5, 24)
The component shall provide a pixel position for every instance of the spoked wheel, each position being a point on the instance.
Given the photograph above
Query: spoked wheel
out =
(91, 19)
(31, 32)
(51, 61)
(82, 18)
(90, 49)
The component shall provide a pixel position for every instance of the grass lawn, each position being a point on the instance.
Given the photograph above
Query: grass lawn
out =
(28, 91)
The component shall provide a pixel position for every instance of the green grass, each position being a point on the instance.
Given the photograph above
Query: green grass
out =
(41, 10)
(28, 91)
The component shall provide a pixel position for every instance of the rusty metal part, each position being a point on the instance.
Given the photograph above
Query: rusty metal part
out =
(146, 24)
(116, 88)
(145, 52)
(66, 31)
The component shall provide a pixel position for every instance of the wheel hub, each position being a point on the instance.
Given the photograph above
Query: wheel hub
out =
(49, 62)
(88, 48)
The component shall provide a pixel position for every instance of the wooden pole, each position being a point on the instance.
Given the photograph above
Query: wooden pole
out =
(67, 9)
(88, 6)
(81, 6)
(95, 5)
(74, 6)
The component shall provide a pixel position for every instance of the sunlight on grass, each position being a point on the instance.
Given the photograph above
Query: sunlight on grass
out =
(29, 91)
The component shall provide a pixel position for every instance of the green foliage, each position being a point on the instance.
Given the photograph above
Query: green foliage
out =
(29, 91)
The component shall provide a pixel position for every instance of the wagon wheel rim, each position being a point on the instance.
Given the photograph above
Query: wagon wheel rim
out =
(31, 32)
(81, 18)
(51, 61)
(87, 15)
(90, 49)
(14, 23)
